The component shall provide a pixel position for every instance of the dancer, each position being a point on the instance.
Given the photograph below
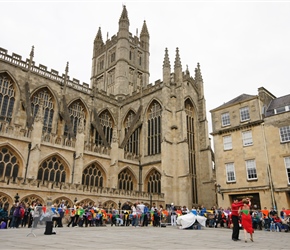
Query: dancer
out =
(235, 219)
(246, 219)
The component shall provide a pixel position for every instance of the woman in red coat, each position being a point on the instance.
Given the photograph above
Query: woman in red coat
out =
(246, 219)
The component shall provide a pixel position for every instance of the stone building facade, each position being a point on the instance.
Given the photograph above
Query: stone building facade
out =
(116, 139)
(251, 136)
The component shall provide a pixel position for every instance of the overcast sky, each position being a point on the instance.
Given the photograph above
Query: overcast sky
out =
(240, 45)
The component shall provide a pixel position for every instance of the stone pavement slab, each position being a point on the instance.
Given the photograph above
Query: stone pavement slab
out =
(137, 238)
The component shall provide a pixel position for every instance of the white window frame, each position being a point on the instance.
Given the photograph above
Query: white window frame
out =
(251, 170)
(244, 114)
(247, 138)
(282, 109)
(285, 134)
(287, 167)
(227, 141)
(226, 119)
(230, 171)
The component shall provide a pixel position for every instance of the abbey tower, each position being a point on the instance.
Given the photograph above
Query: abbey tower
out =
(118, 139)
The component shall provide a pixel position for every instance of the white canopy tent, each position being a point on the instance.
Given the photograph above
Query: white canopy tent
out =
(187, 220)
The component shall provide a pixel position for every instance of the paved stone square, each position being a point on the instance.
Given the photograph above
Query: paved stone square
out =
(137, 238)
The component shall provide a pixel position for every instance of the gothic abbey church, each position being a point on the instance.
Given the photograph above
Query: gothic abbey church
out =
(118, 139)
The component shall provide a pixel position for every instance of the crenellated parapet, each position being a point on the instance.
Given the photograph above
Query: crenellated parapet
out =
(76, 189)
(14, 131)
(42, 70)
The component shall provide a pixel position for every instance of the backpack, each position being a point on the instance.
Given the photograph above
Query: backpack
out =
(21, 212)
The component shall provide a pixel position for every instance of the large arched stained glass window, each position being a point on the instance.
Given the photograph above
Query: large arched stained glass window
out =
(132, 145)
(43, 97)
(92, 176)
(189, 110)
(107, 124)
(76, 112)
(125, 180)
(7, 97)
(9, 164)
(154, 182)
(154, 129)
(52, 169)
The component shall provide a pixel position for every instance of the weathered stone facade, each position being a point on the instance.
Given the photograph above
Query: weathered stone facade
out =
(250, 156)
(118, 139)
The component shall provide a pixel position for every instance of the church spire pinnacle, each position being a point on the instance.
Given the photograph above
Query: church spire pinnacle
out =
(177, 68)
(31, 55)
(124, 16)
(198, 76)
(166, 62)
(124, 24)
(198, 80)
(166, 68)
(144, 31)
(65, 78)
(99, 38)
(177, 63)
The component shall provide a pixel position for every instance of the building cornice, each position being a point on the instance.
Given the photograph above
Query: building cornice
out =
(237, 128)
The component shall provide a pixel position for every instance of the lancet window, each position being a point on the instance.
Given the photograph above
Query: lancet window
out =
(134, 141)
(107, 124)
(189, 110)
(9, 164)
(43, 97)
(7, 98)
(125, 180)
(76, 112)
(154, 182)
(154, 129)
(52, 169)
(92, 176)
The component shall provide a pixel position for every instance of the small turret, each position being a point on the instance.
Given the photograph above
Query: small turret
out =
(31, 58)
(144, 36)
(177, 68)
(65, 79)
(98, 40)
(166, 68)
(124, 23)
(198, 79)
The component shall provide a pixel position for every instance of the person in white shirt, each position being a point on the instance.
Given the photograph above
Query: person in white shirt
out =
(140, 207)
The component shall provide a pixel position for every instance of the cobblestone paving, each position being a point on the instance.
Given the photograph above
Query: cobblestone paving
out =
(137, 238)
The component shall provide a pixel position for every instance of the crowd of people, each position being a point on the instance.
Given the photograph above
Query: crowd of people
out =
(240, 215)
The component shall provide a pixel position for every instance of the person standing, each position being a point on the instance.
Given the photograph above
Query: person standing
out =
(4, 217)
(134, 216)
(72, 215)
(126, 208)
(145, 218)
(140, 208)
(244, 211)
(235, 219)
(173, 214)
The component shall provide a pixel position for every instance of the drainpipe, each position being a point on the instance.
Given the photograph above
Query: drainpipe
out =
(140, 176)
(269, 170)
(73, 168)
(27, 162)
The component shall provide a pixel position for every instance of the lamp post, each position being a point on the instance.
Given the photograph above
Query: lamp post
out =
(218, 188)
(119, 204)
(16, 197)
